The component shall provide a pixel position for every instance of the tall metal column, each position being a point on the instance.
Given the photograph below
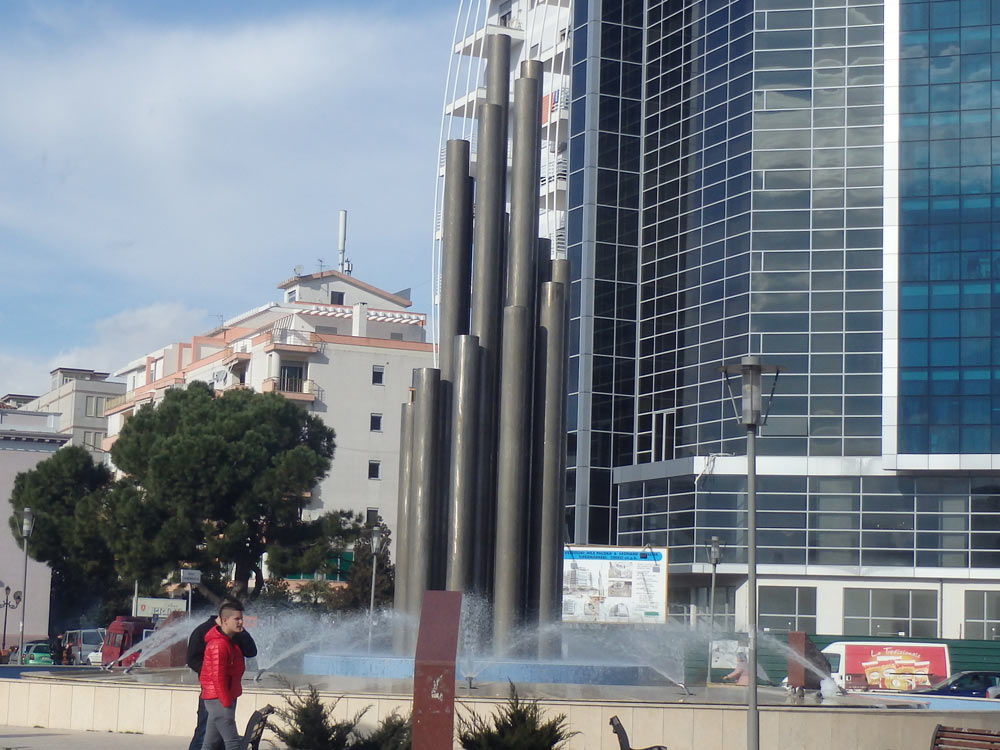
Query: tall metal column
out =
(423, 485)
(399, 600)
(524, 178)
(462, 539)
(550, 372)
(498, 70)
(456, 252)
(513, 466)
(487, 286)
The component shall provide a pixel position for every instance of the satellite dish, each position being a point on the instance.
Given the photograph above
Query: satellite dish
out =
(297, 270)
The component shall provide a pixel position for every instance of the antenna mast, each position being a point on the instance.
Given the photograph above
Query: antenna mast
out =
(342, 242)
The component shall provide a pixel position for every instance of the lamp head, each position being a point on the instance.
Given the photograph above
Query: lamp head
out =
(714, 550)
(17, 597)
(376, 535)
(27, 523)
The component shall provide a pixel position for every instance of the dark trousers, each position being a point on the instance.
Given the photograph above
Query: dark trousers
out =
(199, 731)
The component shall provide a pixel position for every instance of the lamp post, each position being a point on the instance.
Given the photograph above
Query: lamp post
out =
(376, 538)
(27, 526)
(750, 369)
(714, 548)
(8, 605)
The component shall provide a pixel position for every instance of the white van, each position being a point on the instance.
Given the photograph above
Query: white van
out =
(887, 665)
(84, 643)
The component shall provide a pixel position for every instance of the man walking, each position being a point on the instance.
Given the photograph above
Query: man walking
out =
(195, 660)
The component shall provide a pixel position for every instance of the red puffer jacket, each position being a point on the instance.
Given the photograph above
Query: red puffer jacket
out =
(222, 671)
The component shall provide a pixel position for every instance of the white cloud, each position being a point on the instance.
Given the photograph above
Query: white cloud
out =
(148, 152)
(112, 343)
(184, 168)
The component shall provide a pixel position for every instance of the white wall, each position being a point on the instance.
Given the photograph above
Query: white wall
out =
(347, 401)
(36, 608)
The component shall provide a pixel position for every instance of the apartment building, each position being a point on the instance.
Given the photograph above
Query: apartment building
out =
(342, 349)
(78, 397)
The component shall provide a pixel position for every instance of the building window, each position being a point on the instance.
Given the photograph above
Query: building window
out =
(982, 615)
(374, 469)
(290, 295)
(396, 336)
(291, 379)
(378, 374)
(891, 612)
(786, 608)
(95, 406)
(93, 439)
(375, 424)
(336, 298)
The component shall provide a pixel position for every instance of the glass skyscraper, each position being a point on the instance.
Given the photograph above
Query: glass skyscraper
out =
(816, 182)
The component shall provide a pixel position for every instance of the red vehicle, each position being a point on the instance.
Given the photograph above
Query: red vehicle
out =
(121, 636)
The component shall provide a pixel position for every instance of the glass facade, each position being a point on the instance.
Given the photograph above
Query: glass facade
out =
(746, 212)
(602, 246)
(949, 233)
(841, 521)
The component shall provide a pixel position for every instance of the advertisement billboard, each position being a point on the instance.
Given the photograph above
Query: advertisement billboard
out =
(614, 584)
(885, 665)
(148, 606)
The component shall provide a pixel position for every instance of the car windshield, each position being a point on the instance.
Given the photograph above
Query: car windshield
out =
(40, 648)
(969, 681)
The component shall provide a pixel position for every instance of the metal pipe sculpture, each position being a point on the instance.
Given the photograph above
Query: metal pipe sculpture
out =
(456, 253)
(399, 600)
(487, 453)
(424, 487)
(551, 374)
(462, 540)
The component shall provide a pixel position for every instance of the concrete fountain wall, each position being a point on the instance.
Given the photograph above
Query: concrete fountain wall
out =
(170, 710)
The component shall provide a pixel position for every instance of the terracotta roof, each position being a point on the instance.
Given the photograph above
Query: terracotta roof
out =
(396, 299)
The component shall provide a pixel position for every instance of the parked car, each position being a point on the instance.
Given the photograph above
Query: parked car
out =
(965, 685)
(37, 652)
(94, 658)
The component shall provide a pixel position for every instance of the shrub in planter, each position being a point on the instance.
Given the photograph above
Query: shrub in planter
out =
(516, 725)
(309, 724)
(393, 733)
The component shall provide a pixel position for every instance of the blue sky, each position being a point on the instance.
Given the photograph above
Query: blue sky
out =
(166, 163)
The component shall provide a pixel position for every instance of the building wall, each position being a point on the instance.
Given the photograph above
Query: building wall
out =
(80, 406)
(25, 440)
(349, 401)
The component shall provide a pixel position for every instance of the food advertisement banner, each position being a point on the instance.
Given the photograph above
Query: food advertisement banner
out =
(895, 667)
(615, 584)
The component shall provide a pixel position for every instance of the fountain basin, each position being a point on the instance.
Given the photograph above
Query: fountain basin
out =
(500, 670)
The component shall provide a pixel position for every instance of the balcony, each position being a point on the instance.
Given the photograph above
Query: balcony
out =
(294, 389)
(290, 341)
(233, 355)
(474, 45)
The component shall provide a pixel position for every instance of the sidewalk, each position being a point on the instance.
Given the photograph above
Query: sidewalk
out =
(26, 738)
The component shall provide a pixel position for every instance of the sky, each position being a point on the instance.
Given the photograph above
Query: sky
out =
(167, 164)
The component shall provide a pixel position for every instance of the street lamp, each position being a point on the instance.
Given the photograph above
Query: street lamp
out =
(749, 416)
(714, 549)
(376, 538)
(8, 604)
(27, 526)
